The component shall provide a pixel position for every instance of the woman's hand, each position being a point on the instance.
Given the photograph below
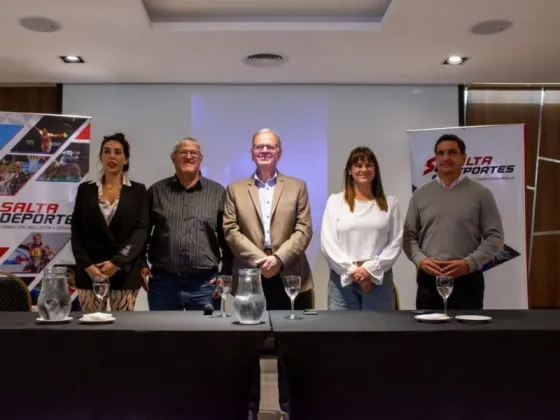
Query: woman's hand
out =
(93, 271)
(363, 278)
(107, 268)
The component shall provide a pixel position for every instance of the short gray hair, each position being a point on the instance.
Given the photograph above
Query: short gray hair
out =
(182, 142)
(267, 130)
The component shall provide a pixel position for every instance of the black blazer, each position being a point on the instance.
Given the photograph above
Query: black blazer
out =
(121, 242)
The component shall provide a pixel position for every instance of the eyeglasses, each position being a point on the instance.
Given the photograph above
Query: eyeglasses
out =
(185, 153)
(261, 147)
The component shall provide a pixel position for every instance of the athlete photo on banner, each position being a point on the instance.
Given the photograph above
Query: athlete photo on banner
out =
(35, 252)
(49, 134)
(496, 159)
(17, 170)
(43, 158)
(70, 166)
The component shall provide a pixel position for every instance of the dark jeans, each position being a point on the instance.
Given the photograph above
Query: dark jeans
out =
(171, 292)
(468, 292)
(276, 300)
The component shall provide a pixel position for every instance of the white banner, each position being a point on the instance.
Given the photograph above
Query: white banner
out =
(43, 158)
(495, 158)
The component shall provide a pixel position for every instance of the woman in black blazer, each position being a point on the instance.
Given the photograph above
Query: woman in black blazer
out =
(109, 230)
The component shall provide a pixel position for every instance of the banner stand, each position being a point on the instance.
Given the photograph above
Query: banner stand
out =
(496, 159)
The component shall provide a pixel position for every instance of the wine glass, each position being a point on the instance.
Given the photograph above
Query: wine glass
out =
(444, 286)
(292, 286)
(223, 284)
(101, 288)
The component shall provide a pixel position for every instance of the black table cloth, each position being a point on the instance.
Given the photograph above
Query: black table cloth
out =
(147, 365)
(374, 365)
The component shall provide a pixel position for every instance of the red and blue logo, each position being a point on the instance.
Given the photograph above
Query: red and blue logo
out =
(475, 165)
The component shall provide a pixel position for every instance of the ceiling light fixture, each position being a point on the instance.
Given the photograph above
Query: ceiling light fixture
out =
(72, 59)
(455, 60)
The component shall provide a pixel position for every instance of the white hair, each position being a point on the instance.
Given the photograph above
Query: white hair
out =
(267, 130)
(183, 142)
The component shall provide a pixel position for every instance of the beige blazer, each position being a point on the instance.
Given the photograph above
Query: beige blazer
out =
(290, 226)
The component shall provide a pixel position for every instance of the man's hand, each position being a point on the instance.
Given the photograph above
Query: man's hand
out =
(93, 271)
(219, 286)
(107, 268)
(270, 266)
(432, 266)
(145, 275)
(455, 268)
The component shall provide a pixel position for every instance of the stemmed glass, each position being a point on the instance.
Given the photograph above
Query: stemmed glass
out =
(444, 286)
(292, 286)
(223, 285)
(101, 288)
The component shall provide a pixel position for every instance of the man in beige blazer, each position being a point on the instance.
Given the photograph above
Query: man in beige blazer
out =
(267, 224)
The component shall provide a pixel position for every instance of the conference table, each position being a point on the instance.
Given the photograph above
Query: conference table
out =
(375, 365)
(144, 366)
(340, 365)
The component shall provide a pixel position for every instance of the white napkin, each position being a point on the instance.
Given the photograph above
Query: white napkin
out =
(435, 316)
(98, 316)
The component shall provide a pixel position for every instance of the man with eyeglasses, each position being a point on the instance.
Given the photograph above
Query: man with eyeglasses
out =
(186, 245)
(453, 227)
(267, 224)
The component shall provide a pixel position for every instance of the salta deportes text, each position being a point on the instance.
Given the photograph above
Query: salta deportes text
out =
(33, 213)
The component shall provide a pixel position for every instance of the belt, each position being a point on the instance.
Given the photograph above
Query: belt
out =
(268, 251)
(359, 263)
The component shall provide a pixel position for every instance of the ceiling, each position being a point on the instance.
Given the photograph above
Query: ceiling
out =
(327, 41)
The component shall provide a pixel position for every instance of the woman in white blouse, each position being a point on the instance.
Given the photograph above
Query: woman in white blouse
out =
(361, 238)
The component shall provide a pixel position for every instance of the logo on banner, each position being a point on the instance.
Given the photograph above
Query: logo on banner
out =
(482, 168)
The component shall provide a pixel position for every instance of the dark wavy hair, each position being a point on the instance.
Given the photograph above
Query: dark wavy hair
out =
(119, 137)
(363, 154)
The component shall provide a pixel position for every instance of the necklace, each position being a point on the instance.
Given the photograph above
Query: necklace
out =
(110, 187)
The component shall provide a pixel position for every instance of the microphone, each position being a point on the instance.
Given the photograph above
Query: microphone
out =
(208, 309)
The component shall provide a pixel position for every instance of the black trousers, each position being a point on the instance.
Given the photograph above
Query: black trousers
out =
(276, 300)
(468, 292)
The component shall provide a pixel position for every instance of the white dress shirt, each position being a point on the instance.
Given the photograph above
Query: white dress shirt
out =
(367, 234)
(107, 209)
(266, 194)
(453, 184)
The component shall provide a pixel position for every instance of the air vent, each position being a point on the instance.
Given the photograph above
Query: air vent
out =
(491, 27)
(39, 24)
(264, 60)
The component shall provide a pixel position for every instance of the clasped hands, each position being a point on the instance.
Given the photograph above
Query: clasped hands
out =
(270, 266)
(362, 277)
(453, 268)
(103, 269)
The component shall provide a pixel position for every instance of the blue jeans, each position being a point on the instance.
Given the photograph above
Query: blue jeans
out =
(380, 298)
(170, 292)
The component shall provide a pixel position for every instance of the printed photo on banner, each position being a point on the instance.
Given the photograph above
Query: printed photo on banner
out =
(35, 252)
(17, 170)
(70, 166)
(49, 134)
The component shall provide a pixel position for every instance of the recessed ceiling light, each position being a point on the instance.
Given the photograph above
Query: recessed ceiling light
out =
(264, 60)
(455, 60)
(72, 59)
